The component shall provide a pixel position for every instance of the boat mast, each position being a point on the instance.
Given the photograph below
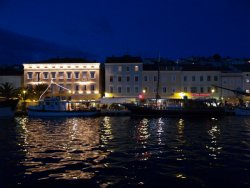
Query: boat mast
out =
(52, 82)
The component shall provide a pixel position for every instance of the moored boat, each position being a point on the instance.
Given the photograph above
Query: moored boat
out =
(242, 111)
(185, 108)
(56, 107)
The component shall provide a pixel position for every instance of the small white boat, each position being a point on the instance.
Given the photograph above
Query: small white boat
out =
(242, 111)
(56, 107)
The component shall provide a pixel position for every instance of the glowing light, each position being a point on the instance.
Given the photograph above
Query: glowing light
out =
(96, 92)
(70, 91)
(88, 92)
(144, 91)
(80, 92)
(108, 95)
(141, 96)
(212, 90)
(181, 94)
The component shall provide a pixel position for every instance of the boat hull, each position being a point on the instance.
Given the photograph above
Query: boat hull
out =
(242, 111)
(176, 112)
(40, 113)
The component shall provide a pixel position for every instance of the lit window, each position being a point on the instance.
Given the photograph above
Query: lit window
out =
(136, 68)
(61, 75)
(84, 75)
(119, 68)
(247, 91)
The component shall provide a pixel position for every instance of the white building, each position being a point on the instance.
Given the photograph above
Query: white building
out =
(80, 78)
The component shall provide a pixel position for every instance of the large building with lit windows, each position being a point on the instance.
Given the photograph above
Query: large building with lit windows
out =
(169, 80)
(76, 77)
(123, 78)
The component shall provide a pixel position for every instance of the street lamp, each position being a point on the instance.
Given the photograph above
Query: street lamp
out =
(24, 92)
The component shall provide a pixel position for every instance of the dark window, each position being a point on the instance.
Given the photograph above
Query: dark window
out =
(185, 78)
(193, 78)
(193, 90)
(136, 78)
(128, 78)
(111, 78)
(208, 78)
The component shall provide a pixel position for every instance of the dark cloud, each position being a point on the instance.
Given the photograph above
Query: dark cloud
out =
(16, 48)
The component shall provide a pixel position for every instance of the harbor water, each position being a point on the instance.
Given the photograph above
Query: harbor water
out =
(125, 152)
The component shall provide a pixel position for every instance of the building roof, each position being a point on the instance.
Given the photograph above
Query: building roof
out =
(208, 67)
(63, 60)
(161, 67)
(124, 59)
(243, 67)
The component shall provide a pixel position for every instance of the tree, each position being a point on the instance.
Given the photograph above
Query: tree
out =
(8, 91)
(217, 57)
(38, 90)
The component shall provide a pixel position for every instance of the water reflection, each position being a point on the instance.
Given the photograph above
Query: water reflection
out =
(52, 146)
(142, 135)
(213, 147)
(180, 141)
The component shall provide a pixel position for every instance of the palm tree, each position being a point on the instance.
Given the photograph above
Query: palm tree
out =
(8, 91)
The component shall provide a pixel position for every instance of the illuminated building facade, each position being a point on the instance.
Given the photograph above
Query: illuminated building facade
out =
(123, 77)
(80, 79)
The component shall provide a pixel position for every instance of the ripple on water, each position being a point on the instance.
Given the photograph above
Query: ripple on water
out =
(124, 151)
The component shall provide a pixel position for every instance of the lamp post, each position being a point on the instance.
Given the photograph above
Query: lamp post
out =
(24, 92)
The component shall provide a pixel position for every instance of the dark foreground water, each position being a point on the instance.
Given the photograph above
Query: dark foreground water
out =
(125, 152)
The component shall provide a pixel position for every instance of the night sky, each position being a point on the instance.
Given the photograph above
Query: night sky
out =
(32, 30)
